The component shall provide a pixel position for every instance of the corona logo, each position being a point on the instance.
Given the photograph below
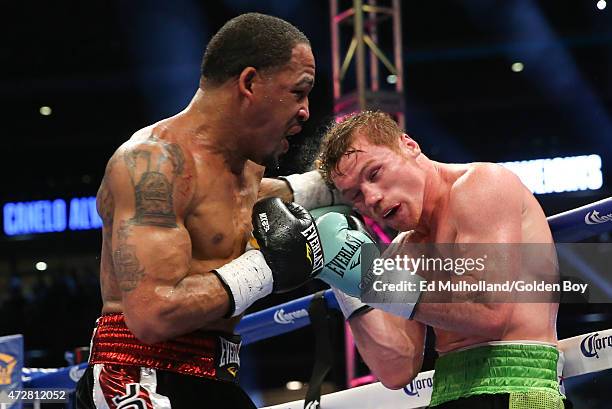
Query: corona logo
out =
(76, 373)
(313, 405)
(282, 317)
(593, 344)
(414, 387)
(7, 365)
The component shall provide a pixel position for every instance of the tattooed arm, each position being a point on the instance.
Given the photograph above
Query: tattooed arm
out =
(151, 248)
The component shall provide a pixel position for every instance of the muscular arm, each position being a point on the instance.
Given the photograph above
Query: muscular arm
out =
(391, 346)
(275, 188)
(306, 189)
(487, 208)
(151, 249)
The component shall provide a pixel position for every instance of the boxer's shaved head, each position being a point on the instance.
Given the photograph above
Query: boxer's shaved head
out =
(249, 40)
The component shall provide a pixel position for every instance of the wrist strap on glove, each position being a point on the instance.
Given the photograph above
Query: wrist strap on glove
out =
(310, 190)
(246, 279)
(351, 306)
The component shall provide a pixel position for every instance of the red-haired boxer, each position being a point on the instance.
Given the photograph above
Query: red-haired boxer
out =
(492, 355)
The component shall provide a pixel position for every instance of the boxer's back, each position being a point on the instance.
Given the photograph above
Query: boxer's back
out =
(216, 205)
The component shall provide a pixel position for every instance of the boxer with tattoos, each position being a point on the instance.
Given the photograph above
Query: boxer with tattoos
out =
(176, 201)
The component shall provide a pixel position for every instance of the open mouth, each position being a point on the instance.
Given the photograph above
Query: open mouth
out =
(295, 129)
(391, 211)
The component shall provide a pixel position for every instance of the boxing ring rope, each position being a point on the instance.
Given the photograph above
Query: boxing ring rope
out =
(582, 222)
(573, 225)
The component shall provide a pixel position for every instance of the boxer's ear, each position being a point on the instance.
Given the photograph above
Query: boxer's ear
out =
(245, 81)
(409, 145)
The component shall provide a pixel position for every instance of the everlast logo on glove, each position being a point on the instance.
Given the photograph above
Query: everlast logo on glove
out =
(313, 247)
(339, 263)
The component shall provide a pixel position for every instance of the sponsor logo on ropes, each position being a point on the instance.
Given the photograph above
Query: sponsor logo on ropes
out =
(282, 317)
(414, 387)
(313, 405)
(76, 373)
(313, 247)
(595, 218)
(592, 344)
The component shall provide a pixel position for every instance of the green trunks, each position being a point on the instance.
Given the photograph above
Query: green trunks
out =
(527, 372)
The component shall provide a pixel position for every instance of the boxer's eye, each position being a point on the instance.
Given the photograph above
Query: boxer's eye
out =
(299, 94)
(373, 174)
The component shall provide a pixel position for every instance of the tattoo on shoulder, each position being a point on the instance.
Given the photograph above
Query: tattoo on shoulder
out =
(126, 265)
(153, 174)
(106, 208)
(105, 202)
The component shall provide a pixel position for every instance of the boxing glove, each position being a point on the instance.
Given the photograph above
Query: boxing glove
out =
(288, 238)
(342, 237)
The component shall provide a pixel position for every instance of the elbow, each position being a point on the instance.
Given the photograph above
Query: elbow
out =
(398, 372)
(393, 384)
(149, 335)
(148, 327)
(152, 318)
(397, 379)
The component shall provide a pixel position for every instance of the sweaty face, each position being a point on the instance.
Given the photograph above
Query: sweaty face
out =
(284, 103)
(382, 183)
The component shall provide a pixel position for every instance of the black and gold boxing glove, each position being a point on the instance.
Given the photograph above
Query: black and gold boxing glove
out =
(288, 238)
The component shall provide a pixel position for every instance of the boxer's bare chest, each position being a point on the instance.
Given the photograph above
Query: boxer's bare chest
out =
(219, 221)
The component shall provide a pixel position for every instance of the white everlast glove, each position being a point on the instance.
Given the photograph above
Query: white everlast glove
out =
(310, 191)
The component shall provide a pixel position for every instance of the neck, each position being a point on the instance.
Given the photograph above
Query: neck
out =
(434, 197)
(213, 117)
